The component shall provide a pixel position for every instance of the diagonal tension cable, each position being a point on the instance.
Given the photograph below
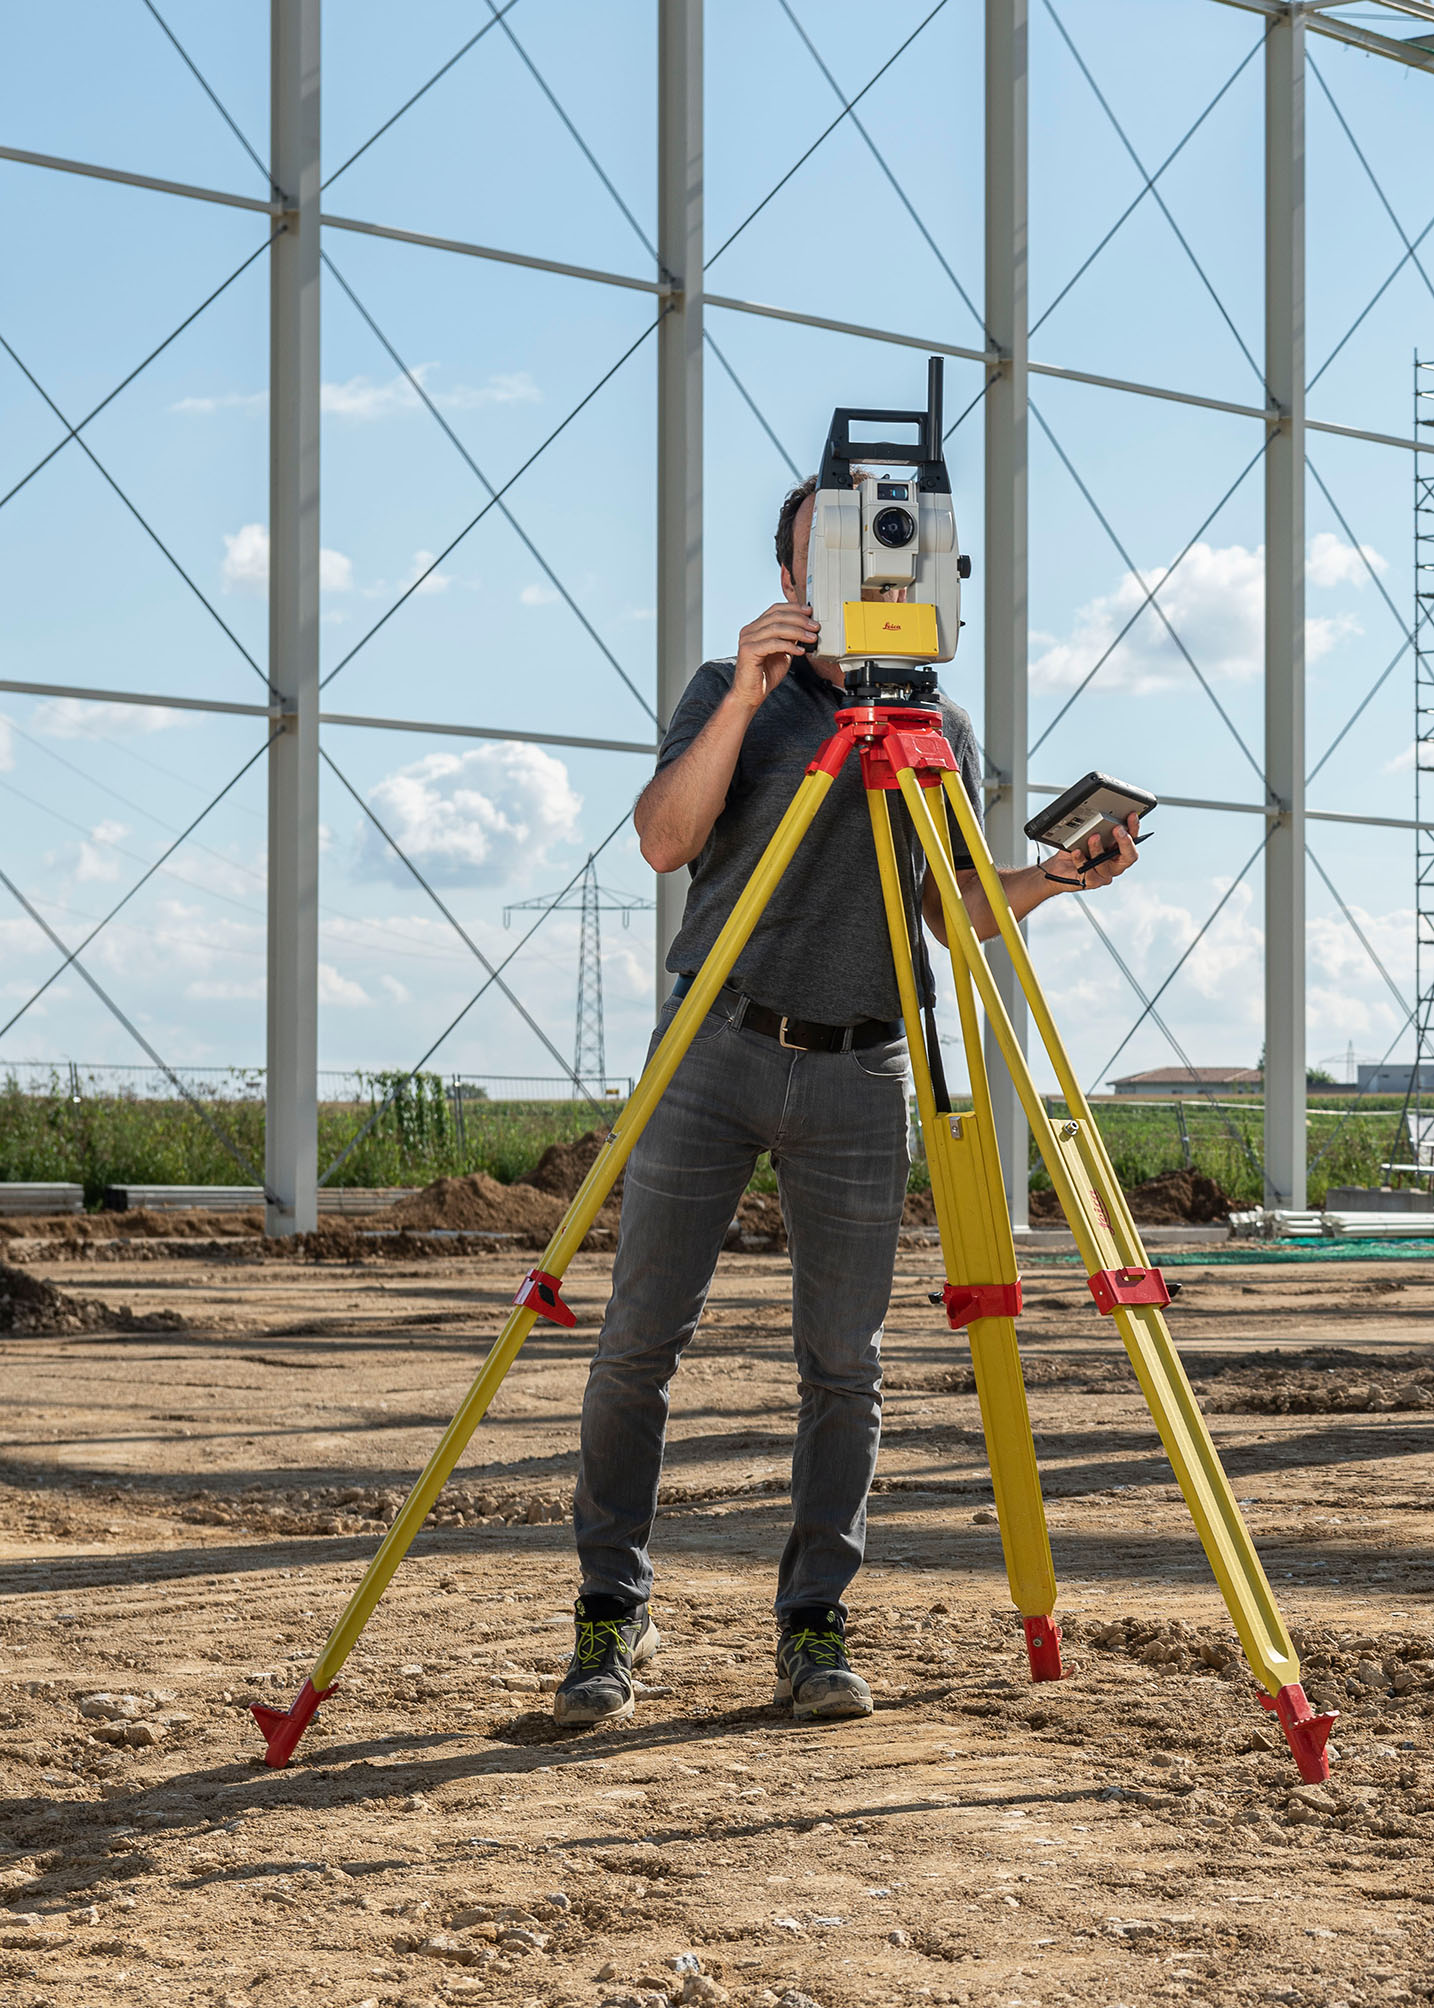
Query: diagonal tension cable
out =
(1161, 204)
(1370, 305)
(495, 495)
(1149, 186)
(352, 1145)
(495, 500)
(824, 134)
(148, 528)
(73, 431)
(409, 103)
(1153, 602)
(584, 149)
(1365, 943)
(1159, 586)
(752, 405)
(220, 1135)
(1188, 951)
(453, 921)
(1374, 180)
(877, 155)
(143, 880)
(1363, 705)
(1123, 966)
(213, 96)
(1344, 1115)
(1364, 558)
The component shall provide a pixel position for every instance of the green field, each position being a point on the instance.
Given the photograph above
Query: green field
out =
(99, 1140)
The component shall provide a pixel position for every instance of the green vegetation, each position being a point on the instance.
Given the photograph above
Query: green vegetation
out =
(424, 1133)
(100, 1140)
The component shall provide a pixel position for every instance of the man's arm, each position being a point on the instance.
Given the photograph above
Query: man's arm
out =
(676, 810)
(1026, 886)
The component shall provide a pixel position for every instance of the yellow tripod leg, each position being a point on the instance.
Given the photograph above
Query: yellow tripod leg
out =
(979, 1253)
(539, 1296)
(1111, 1249)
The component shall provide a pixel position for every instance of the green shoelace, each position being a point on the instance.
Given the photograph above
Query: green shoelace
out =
(827, 1648)
(594, 1636)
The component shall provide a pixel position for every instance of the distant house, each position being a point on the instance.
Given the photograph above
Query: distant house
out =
(1396, 1078)
(1190, 1081)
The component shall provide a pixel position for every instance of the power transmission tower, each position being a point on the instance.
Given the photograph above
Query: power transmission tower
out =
(590, 900)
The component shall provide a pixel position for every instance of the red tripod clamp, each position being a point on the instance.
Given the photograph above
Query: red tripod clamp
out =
(966, 1302)
(1114, 1287)
(541, 1292)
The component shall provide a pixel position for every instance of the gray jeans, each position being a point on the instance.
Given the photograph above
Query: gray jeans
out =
(835, 1124)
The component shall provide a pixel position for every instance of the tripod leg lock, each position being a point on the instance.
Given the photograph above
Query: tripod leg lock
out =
(1305, 1732)
(1114, 1287)
(542, 1293)
(966, 1302)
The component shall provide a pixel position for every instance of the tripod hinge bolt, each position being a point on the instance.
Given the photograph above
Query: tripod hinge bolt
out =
(542, 1293)
(1070, 1129)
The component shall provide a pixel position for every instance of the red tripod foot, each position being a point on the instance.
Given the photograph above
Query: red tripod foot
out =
(282, 1728)
(1043, 1648)
(1305, 1732)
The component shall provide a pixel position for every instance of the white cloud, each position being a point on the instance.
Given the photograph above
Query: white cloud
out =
(473, 818)
(74, 718)
(538, 596)
(1215, 601)
(219, 992)
(229, 400)
(1332, 562)
(340, 990)
(363, 400)
(98, 857)
(435, 582)
(399, 992)
(246, 563)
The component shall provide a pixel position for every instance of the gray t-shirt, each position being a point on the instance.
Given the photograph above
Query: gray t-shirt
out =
(821, 949)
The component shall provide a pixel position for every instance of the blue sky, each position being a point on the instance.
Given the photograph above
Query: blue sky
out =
(98, 274)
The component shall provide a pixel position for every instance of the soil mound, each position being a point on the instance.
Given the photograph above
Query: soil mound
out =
(31, 1306)
(563, 1166)
(1175, 1199)
(139, 1223)
(477, 1204)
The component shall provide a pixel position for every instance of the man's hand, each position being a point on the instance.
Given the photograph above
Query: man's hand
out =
(1066, 864)
(766, 648)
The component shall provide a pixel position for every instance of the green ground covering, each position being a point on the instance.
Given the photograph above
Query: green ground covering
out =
(99, 1140)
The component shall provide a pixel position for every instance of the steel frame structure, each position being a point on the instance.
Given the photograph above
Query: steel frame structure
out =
(681, 301)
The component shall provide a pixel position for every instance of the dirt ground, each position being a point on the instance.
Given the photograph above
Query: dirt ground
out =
(185, 1505)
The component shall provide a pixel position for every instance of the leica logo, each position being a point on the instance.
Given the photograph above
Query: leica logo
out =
(891, 627)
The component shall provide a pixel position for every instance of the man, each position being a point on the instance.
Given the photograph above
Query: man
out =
(803, 1056)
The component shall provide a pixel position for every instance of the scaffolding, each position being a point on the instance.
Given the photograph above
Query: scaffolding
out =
(295, 232)
(1416, 1128)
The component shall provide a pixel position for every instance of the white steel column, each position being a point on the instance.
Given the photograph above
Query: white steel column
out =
(1285, 612)
(1003, 585)
(291, 1133)
(679, 394)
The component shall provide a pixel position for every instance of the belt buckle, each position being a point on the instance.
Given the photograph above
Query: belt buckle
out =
(790, 1044)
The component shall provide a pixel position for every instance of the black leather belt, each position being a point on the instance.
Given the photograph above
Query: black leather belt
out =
(804, 1035)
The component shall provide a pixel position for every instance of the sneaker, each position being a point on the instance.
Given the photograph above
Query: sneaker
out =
(813, 1672)
(598, 1686)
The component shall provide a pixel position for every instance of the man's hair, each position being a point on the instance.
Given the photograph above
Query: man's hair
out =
(787, 519)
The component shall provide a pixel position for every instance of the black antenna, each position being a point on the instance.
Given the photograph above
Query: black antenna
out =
(841, 453)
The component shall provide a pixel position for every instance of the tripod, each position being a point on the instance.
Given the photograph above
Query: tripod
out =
(902, 748)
